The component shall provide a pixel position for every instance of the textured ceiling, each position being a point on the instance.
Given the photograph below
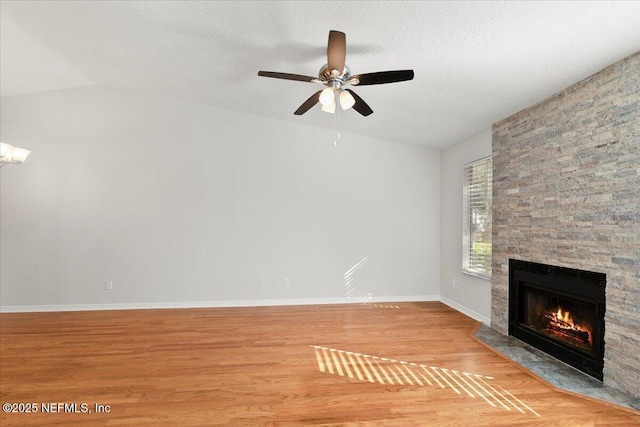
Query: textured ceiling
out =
(475, 62)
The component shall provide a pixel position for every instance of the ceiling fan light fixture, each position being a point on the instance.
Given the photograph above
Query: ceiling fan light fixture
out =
(6, 151)
(329, 108)
(346, 100)
(326, 97)
(20, 154)
(11, 154)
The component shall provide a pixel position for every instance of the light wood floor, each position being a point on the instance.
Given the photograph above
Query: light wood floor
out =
(388, 364)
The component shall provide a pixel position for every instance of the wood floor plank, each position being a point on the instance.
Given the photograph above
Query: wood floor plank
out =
(357, 364)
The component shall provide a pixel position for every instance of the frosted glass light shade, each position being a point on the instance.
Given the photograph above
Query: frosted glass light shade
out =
(20, 154)
(6, 152)
(11, 154)
(346, 100)
(326, 96)
(329, 108)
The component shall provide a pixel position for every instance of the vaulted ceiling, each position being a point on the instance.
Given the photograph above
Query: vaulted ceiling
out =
(475, 62)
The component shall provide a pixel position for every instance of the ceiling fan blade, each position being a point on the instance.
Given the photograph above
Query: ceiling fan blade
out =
(336, 51)
(360, 106)
(286, 76)
(382, 77)
(306, 105)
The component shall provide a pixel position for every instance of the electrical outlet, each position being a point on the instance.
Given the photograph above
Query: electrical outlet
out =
(260, 283)
(287, 282)
(108, 285)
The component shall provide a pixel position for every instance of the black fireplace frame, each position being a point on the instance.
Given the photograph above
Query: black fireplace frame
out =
(581, 285)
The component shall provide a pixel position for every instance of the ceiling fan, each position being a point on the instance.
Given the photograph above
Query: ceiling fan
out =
(335, 75)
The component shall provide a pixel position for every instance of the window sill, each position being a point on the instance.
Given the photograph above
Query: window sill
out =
(478, 275)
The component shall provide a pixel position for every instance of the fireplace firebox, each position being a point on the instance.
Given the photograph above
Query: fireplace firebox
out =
(560, 311)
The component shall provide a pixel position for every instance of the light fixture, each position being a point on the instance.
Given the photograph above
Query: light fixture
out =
(11, 154)
(326, 96)
(328, 101)
(346, 99)
(330, 107)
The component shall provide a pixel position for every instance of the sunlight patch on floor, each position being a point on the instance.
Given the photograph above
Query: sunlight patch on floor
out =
(390, 306)
(374, 369)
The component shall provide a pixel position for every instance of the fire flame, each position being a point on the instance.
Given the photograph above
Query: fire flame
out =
(565, 321)
(566, 317)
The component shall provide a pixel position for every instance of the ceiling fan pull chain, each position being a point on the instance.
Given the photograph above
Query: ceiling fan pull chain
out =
(336, 120)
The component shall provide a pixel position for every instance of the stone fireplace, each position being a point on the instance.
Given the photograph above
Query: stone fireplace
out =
(566, 192)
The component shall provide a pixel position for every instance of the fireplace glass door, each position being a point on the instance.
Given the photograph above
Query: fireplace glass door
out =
(566, 320)
(559, 310)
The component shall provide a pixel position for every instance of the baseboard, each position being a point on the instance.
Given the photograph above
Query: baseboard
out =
(212, 304)
(464, 310)
(242, 303)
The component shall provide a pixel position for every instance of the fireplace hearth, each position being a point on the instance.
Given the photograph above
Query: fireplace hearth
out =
(560, 311)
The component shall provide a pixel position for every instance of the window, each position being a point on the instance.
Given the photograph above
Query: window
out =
(476, 206)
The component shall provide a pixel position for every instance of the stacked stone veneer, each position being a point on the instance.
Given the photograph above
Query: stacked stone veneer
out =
(566, 191)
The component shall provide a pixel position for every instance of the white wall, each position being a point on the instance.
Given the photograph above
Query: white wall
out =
(473, 296)
(181, 204)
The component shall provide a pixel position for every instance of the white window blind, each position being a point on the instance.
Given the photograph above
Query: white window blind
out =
(476, 258)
